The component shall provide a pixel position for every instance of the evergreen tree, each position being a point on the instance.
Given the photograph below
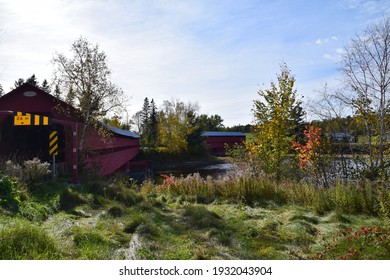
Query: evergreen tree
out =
(145, 115)
(45, 86)
(32, 80)
(1, 90)
(57, 92)
(297, 122)
(18, 82)
(153, 125)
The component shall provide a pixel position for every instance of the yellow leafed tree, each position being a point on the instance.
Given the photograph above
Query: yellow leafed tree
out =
(277, 115)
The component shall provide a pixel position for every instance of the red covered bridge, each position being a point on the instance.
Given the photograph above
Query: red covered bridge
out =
(217, 140)
(109, 154)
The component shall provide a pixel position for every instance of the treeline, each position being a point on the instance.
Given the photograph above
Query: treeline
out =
(32, 80)
(175, 127)
(350, 126)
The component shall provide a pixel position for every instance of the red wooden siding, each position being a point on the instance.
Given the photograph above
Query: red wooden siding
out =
(217, 141)
(112, 154)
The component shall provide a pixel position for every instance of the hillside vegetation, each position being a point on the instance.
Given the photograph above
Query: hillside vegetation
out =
(193, 218)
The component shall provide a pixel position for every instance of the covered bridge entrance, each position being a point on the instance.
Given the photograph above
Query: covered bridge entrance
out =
(22, 142)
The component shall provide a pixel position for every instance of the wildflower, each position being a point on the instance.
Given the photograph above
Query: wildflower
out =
(168, 180)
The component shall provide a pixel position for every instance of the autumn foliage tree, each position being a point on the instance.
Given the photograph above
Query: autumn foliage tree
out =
(310, 155)
(277, 114)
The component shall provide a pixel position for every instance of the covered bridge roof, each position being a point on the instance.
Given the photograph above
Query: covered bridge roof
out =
(122, 132)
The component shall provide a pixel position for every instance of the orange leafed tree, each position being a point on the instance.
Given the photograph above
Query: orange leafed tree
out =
(308, 154)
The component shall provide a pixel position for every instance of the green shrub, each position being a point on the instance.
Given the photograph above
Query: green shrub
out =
(23, 241)
(35, 211)
(9, 194)
(384, 201)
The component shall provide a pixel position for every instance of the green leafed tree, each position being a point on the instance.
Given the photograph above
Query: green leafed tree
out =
(203, 123)
(277, 115)
(176, 123)
(210, 123)
(86, 79)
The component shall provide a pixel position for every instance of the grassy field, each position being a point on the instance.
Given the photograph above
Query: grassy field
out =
(114, 220)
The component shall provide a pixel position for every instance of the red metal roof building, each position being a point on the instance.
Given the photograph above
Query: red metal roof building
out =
(27, 141)
(217, 140)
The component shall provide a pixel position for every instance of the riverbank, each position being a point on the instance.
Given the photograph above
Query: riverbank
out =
(194, 218)
(166, 227)
(211, 166)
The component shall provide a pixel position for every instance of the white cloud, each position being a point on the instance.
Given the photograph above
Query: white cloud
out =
(321, 41)
(335, 55)
(328, 56)
(367, 7)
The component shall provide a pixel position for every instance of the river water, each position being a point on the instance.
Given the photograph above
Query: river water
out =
(341, 169)
(214, 170)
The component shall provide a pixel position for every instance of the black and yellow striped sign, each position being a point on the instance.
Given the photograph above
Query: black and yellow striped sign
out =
(27, 119)
(53, 143)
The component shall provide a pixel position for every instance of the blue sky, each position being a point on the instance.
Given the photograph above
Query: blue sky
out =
(212, 52)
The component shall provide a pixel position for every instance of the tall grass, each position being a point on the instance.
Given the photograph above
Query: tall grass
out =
(90, 244)
(348, 197)
(24, 241)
